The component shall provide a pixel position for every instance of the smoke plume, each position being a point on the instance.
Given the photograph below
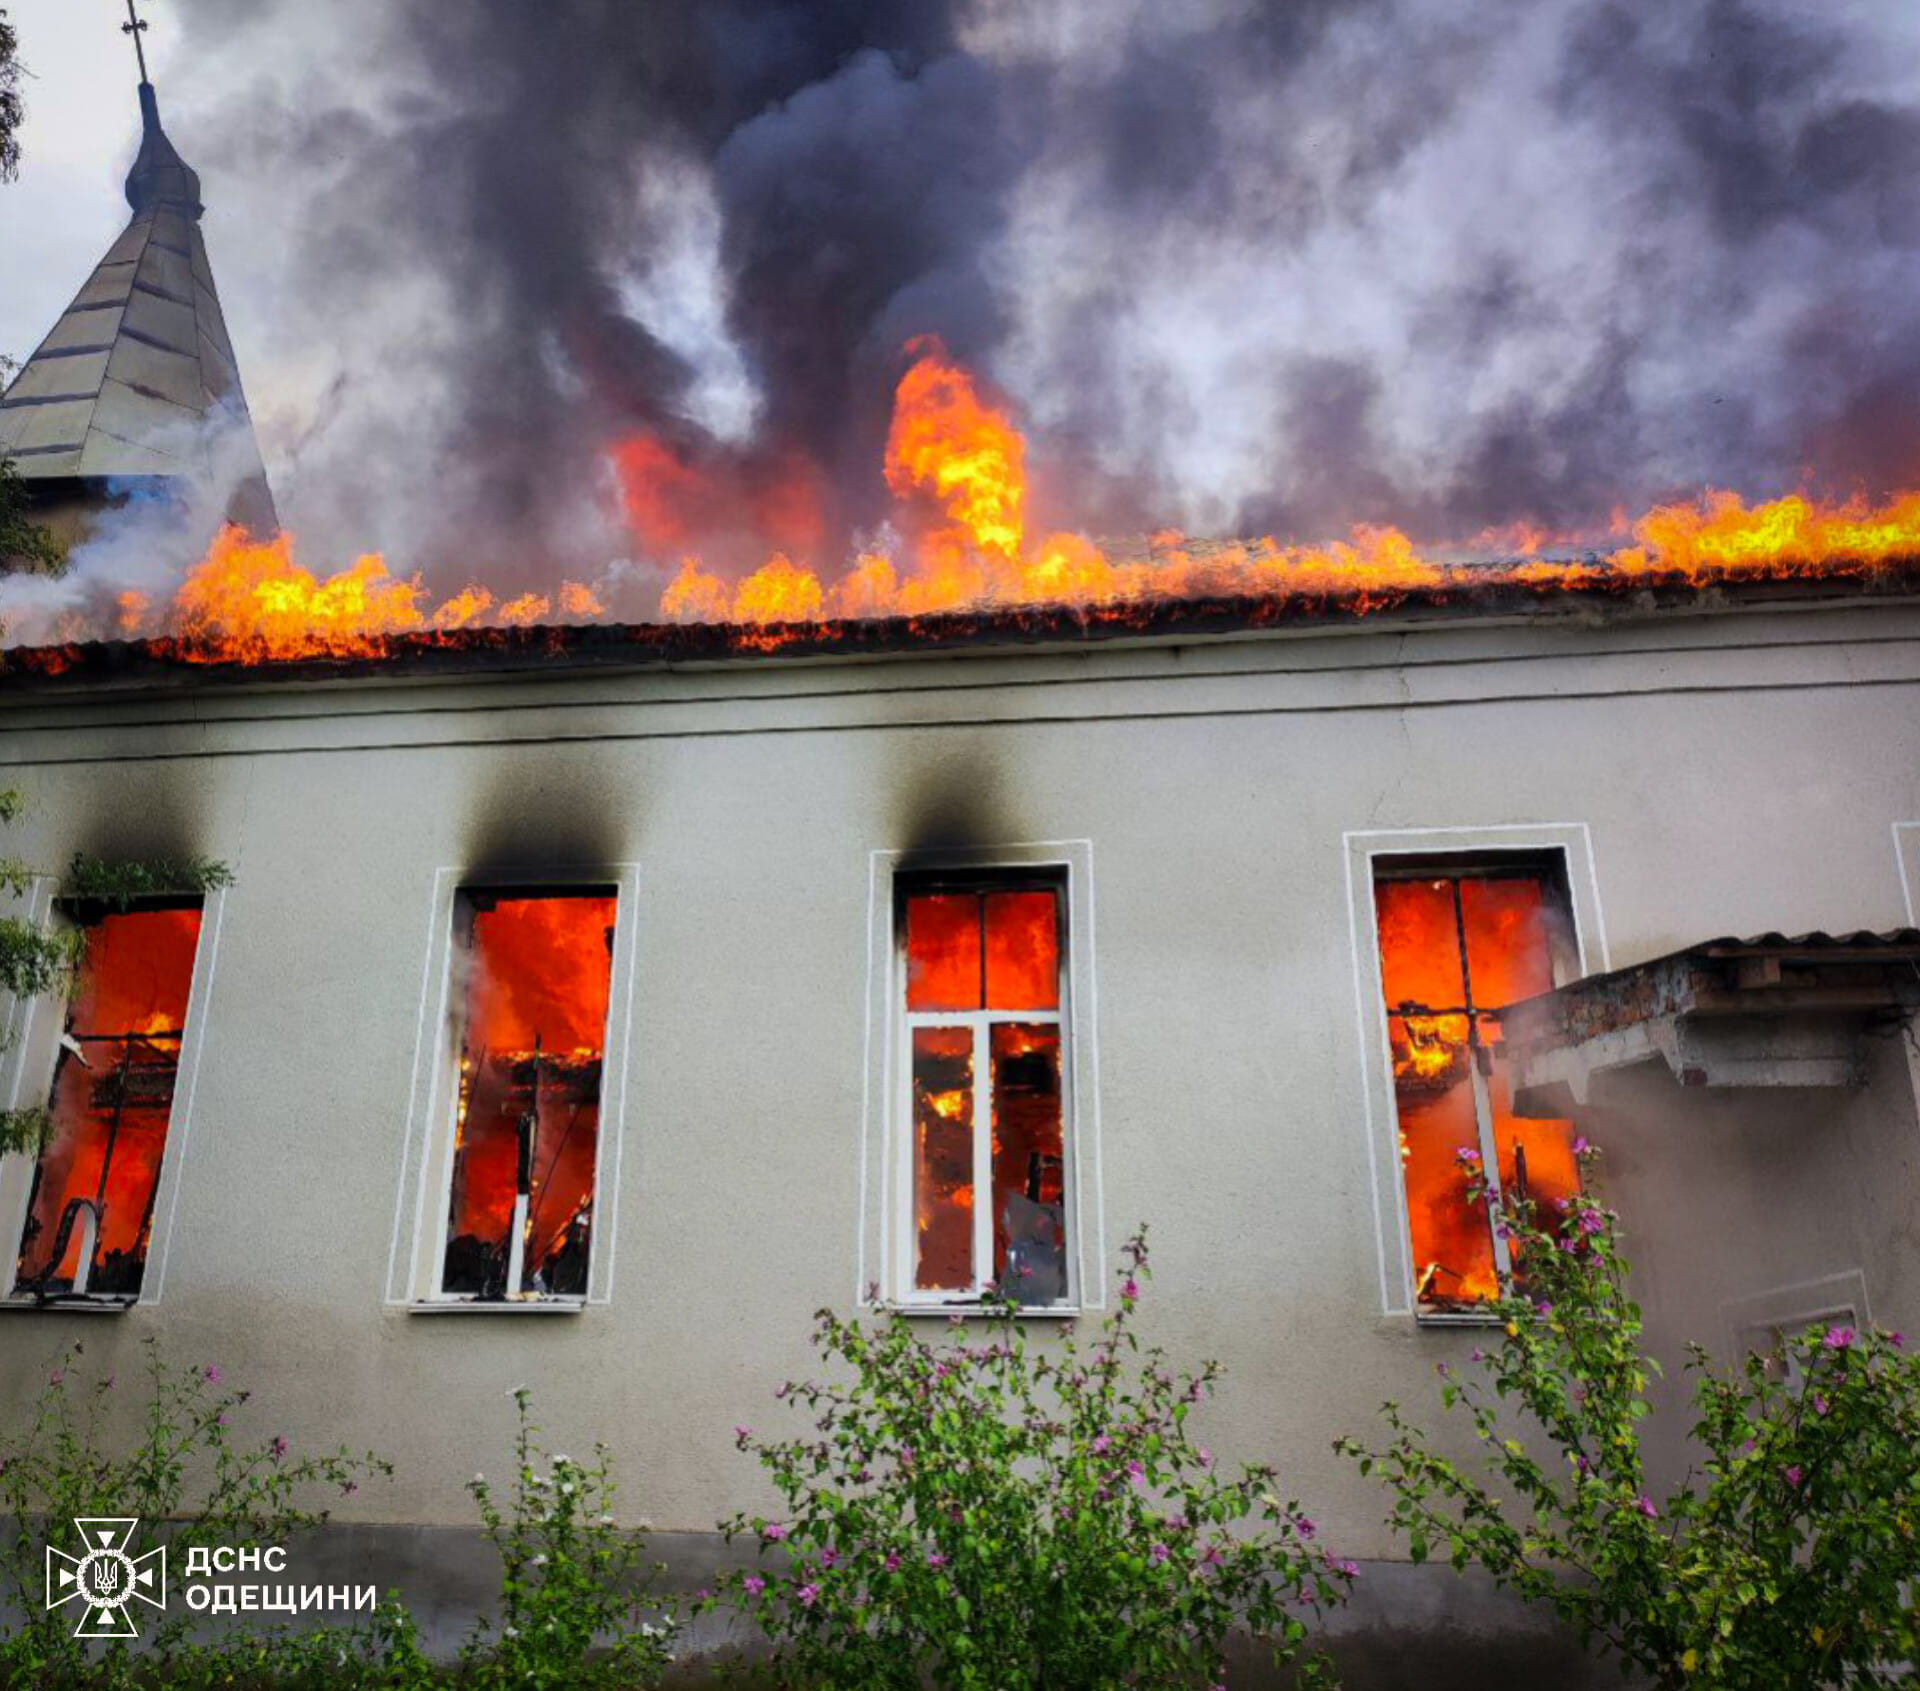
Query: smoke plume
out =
(523, 290)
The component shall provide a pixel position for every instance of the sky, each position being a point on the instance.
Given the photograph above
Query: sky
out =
(1237, 266)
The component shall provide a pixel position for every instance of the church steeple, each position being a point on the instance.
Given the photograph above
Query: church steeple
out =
(136, 391)
(160, 176)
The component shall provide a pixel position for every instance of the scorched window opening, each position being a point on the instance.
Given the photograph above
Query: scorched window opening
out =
(532, 982)
(90, 1205)
(984, 1107)
(1460, 939)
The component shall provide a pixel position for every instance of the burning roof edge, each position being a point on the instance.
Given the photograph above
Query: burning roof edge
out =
(1484, 595)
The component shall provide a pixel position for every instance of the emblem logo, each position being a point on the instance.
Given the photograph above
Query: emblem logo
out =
(107, 1580)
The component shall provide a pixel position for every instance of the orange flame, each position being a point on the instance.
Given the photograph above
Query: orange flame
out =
(957, 466)
(944, 441)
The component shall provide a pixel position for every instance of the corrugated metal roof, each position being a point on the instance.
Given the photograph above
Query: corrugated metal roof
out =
(1863, 941)
(138, 377)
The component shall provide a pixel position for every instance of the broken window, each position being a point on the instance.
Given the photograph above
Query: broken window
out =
(1458, 944)
(90, 1207)
(985, 1107)
(532, 976)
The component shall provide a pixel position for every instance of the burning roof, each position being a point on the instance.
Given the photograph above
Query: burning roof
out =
(963, 567)
(1499, 590)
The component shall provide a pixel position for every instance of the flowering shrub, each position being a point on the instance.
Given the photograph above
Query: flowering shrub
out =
(975, 1514)
(184, 1468)
(1785, 1560)
(572, 1599)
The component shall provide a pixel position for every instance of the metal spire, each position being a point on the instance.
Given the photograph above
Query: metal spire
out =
(136, 26)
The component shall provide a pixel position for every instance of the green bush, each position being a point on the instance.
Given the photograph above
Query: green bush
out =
(574, 1608)
(183, 1473)
(1786, 1560)
(978, 1513)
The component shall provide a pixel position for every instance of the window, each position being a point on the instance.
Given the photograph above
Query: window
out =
(91, 1203)
(984, 1108)
(1459, 941)
(532, 979)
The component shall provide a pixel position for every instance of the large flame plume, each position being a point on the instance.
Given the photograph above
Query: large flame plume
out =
(956, 467)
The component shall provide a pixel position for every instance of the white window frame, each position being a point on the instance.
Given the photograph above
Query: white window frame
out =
(980, 1024)
(888, 1232)
(30, 1052)
(417, 1257)
(1573, 842)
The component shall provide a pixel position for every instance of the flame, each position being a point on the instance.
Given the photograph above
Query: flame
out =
(956, 464)
(967, 455)
(248, 601)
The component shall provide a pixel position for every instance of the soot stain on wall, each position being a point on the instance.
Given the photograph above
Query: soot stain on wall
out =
(138, 815)
(950, 799)
(547, 811)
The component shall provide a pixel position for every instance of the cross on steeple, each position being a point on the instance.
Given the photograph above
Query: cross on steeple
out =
(136, 27)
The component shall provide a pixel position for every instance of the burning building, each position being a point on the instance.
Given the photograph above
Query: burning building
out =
(594, 1000)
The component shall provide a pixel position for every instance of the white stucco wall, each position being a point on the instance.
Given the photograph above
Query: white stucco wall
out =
(1730, 773)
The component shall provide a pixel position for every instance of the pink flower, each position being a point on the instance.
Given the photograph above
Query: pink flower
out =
(936, 1560)
(808, 1595)
(892, 1563)
(1590, 1221)
(1820, 1404)
(773, 1532)
(277, 1448)
(1350, 1569)
(1305, 1527)
(56, 1376)
(829, 1557)
(1897, 1340)
(740, 1437)
(1100, 1444)
(1466, 1154)
(1645, 1505)
(1839, 1338)
(754, 1584)
(1158, 1553)
(1130, 1289)
(1136, 1473)
(1580, 1145)
(1793, 1476)
(213, 1374)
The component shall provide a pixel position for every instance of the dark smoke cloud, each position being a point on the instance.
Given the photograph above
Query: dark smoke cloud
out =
(1274, 265)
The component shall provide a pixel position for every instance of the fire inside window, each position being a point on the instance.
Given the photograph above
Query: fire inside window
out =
(1456, 946)
(90, 1211)
(986, 1106)
(534, 971)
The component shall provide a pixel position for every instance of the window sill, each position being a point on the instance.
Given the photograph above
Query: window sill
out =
(505, 1306)
(67, 1305)
(979, 1311)
(1442, 1319)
